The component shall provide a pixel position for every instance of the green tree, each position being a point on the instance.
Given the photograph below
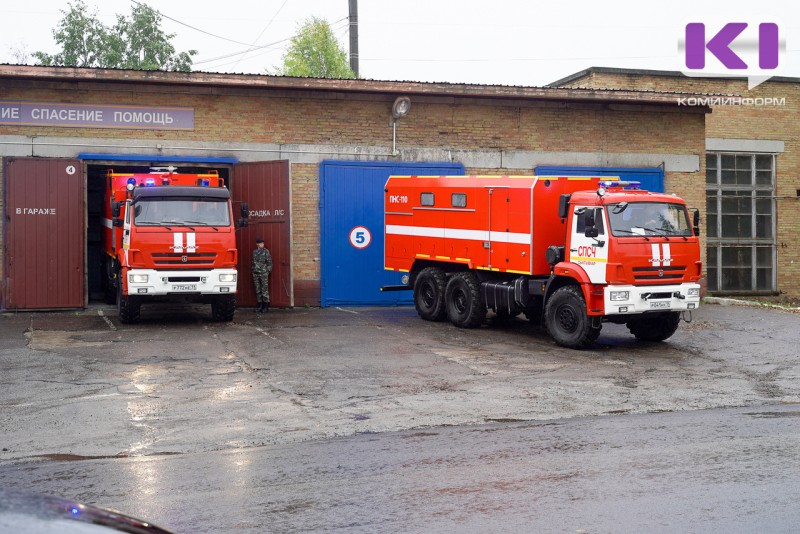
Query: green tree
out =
(137, 42)
(134, 42)
(315, 52)
(82, 38)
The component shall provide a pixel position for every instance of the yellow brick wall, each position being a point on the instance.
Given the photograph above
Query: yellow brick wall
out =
(305, 222)
(280, 117)
(778, 123)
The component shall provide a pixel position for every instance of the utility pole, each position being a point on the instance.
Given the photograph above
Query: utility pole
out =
(354, 36)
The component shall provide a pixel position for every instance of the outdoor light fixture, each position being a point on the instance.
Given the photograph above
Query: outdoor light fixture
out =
(401, 106)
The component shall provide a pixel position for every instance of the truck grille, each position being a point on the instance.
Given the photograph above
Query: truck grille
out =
(665, 274)
(195, 258)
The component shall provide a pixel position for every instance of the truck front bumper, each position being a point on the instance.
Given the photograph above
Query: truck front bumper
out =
(144, 282)
(628, 299)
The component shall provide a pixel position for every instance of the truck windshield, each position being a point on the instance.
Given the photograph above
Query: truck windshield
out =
(648, 218)
(181, 212)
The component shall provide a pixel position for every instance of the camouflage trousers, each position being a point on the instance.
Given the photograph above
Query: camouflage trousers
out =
(261, 282)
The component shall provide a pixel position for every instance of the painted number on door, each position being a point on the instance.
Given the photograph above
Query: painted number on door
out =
(360, 237)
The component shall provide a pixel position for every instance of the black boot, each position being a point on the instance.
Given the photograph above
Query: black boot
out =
(260, 307)
(266, 307)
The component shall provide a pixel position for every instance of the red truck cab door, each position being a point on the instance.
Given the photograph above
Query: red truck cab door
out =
(590, 253)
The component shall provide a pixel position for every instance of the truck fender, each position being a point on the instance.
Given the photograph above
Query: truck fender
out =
(565, 273)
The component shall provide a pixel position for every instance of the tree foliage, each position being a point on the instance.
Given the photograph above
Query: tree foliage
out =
(134, 42)
(315, 52)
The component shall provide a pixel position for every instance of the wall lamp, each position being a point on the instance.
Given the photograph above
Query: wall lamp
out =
(400, 108)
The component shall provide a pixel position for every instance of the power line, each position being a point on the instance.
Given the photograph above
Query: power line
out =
(265, 29)
(493, 60)
(266, 48)
(190, 26)
(249, 49)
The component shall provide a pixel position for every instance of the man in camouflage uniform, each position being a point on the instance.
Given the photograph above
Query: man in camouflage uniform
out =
(261, 267)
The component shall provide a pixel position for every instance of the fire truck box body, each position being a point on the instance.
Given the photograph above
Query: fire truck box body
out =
(522, 238)
(169, 237)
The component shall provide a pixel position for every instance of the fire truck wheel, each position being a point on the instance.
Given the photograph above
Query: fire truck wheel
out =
(566, 320)
(429, 291)
(465, 306)
(111, 280)
(656, 328)
(223, 308)
(128, 307)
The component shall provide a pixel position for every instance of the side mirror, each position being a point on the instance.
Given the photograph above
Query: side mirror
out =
(115, 209)
(590, 222)
(242, 222)
(563, 206)
(117, 222)
(696, 222)
(588, 217)
(244, 210)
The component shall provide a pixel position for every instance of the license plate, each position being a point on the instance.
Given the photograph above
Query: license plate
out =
(659, 305)
(184, 287)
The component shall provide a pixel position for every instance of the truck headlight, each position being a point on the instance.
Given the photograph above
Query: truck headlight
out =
(137, 278)
(694, 292)
(227, 277)
(620, 295)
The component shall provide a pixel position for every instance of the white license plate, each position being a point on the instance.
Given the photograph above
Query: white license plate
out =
(184, 287)
(659, 305)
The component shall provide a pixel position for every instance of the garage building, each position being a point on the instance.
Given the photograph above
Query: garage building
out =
(309, 156)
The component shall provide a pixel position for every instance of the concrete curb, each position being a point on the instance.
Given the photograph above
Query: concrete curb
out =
(751, 303)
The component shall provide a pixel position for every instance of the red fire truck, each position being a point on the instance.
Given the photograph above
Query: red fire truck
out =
(570, 252)
(170, 237)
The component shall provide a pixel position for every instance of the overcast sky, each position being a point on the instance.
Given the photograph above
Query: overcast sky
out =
(510, 42)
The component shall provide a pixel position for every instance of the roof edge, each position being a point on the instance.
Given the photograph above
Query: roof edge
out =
(668, 73)
(265, 81)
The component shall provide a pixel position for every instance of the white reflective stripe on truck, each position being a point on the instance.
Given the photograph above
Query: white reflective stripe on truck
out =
(661, 254)
(456, 233)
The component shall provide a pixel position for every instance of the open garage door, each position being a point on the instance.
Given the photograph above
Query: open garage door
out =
(44, 239)
(265, 187)
(351, 227)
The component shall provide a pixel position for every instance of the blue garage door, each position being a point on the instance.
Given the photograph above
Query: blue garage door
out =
(351, 228)
(652, 178)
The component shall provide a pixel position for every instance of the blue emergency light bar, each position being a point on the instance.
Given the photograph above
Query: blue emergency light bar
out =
(609, 184)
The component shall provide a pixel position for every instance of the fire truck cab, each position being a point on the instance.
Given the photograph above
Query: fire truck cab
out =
(170, 237)
(569, 252)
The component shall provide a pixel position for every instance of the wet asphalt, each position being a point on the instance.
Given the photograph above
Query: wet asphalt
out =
(207, 427)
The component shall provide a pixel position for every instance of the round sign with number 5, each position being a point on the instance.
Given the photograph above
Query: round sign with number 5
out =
(360, 237)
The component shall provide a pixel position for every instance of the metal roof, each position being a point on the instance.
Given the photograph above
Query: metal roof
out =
(266, 81)
(644, 72)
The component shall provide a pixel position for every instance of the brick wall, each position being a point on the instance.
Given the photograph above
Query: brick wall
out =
(779, 123)
(241, 115)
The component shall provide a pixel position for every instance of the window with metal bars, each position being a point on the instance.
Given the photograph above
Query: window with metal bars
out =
(740, 222)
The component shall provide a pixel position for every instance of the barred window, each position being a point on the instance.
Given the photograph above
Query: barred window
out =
(740, 222)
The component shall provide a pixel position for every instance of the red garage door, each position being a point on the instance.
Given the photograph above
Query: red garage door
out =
(265, 188)
(44, 234)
